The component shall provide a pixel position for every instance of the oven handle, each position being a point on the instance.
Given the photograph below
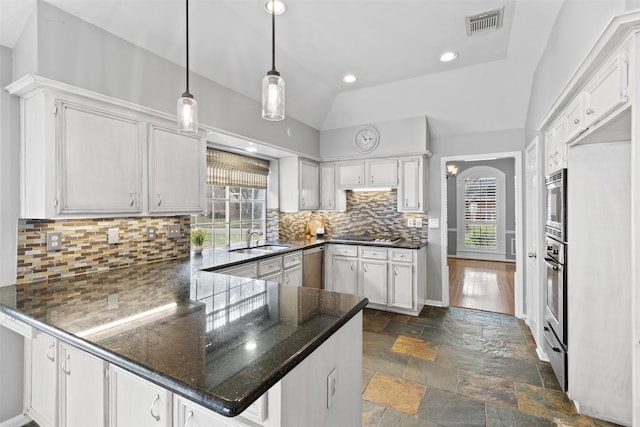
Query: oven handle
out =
(556, 349)
(553, 264)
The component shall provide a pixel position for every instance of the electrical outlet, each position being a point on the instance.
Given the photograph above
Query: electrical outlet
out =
(113, 235)
(151, 233)
(418, 222)
(54, 240)
(173, 231)
(410, 222)
(331, 388)
(434, 223)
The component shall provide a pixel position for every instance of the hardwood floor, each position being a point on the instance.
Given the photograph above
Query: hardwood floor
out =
(481, 285)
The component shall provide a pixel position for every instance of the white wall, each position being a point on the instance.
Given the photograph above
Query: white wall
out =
(406, 136)
(578, 25)
(478, 143)
(9, 174)
(75, 52)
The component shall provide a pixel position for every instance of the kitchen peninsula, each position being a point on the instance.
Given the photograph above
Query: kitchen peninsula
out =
(169, 344)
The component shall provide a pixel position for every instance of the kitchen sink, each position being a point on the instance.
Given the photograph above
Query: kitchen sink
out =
(260, 250)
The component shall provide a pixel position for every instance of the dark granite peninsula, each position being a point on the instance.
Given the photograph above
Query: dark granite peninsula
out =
(212, 342)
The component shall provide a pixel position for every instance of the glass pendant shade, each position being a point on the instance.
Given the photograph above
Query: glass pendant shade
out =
(187, 114)
(273, 96)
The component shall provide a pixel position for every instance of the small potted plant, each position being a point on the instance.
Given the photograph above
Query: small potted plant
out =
(197, 238)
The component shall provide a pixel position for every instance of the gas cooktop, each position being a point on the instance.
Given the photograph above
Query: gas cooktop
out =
(384, 240)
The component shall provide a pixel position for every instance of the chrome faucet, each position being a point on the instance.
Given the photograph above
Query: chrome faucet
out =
(250, 234)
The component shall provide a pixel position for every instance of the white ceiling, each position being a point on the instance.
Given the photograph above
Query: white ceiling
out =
(383, 42)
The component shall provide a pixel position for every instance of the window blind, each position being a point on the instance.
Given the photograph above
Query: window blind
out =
(227, 169)
(481, 212)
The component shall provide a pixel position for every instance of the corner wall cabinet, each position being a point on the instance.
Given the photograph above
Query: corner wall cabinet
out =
(592, 129)
(331, 198)
(88, 155)
(299, 184)
(393, 279)
(412, 187)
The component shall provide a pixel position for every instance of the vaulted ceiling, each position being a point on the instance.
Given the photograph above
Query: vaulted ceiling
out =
(392, 46)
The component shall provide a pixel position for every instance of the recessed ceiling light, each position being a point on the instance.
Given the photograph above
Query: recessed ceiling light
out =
(279, 6)
(349, 78)
(251, 149)
(448, 56)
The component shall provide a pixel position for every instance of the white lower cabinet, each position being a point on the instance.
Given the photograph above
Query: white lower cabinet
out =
(393, 279)
(135, 402)
(41, 369)
(190, 414)
(82, 388)
(292, 276)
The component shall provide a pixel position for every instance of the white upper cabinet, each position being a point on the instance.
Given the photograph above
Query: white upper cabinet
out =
(177, 165)
(350, 174)
(86, 155)
(608, 90)
(411, 189)
(382, 173)
(331, 199)
(299, 184)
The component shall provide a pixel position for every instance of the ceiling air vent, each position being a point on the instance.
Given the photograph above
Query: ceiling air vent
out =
(483, 22)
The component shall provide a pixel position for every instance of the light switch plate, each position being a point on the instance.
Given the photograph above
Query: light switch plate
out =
(418, 222)
(54, 241)
(173, 231)
(434, 223)
(331, 388)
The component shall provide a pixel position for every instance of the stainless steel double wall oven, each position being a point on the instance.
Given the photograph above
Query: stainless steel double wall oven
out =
(555, 318)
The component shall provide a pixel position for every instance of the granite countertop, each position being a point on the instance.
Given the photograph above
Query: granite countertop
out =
(218, 340)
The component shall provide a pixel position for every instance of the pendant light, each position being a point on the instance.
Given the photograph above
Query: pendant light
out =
(187, 105)
(272, 83)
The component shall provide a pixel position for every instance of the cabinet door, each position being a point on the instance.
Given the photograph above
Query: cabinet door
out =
(575, 118)
(293, 276)
(402, 286)
(608, 90)
(100, 161)
(345, 275)
(327, 186)
(42, 379)
(382, 173)
(189, 414)
(177, 165)
(411, 188)
(374, 281)
(135, 402)
(82, 396)
(350, 174)
(309, 188)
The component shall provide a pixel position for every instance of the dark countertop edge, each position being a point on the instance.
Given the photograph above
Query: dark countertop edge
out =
(228, 408)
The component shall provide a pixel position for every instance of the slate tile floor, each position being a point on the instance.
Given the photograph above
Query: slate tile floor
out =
(458, 367)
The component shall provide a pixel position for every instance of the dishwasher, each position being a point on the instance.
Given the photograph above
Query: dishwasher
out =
(312, 267)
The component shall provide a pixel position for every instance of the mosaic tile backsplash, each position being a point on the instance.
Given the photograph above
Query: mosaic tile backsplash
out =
(85, 247)
(370, 213)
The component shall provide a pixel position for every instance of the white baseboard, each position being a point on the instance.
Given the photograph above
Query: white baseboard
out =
(18, 421)
(426, 302)
(541, 354)
(480, 259)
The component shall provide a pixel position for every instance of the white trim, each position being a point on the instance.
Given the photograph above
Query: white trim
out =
(16, 421)
(427, 302)
(482, 259)
(518, 280)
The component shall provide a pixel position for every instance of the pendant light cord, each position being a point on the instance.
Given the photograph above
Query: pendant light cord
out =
(187, 38)
(273, 35)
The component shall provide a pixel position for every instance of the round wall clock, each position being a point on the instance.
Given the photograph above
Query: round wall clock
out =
(366, 139)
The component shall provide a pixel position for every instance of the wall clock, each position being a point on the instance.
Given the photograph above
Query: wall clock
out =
(366, 139)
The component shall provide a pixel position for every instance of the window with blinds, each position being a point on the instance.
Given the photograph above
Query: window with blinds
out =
(481, 213)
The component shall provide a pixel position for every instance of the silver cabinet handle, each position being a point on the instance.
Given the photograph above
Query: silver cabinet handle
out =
(133, 197)
(64, 367)
(288, 279)
(576, 121)
(303, 202)
(51, 347)
(159, 198)
(395, 271)
(365, 268)
(155, 400)
(188, 420)
(589, 111)
(406, 202)
(372, 179)
(351, 266)
(532, 255)
(358, 180)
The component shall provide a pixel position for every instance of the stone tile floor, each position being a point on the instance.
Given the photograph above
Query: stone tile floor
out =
(458, 367)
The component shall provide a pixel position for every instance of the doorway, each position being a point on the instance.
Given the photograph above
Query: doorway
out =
(481, 270)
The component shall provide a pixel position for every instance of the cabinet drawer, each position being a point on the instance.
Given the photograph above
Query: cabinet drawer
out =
(402, 255)
(291, 260)
(16, 326)
(374, 253)
(248, 271)
(269, 266)
(345, 250)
